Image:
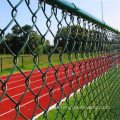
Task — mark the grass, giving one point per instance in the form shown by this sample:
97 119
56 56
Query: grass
94 102
28 62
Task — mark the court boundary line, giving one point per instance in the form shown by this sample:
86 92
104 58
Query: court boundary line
53 106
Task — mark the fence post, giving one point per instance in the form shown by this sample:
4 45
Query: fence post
38 59
22 61
1 64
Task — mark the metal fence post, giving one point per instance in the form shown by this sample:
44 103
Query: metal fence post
38 60
22 61
1 64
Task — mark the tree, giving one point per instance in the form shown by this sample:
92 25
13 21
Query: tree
47 46
14 42
73 37
70 37
1 48
18 37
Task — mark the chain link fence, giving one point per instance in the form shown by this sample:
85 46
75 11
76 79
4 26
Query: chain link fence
88 69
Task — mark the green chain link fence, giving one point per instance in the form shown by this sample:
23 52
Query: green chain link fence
95 80
4 64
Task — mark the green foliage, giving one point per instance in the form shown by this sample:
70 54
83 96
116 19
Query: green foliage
47 44
71 37
17 38
80 39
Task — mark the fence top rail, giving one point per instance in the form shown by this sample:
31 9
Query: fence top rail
63 4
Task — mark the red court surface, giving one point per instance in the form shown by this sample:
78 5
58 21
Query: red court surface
85 71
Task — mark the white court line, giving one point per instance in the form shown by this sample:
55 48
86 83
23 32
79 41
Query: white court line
25 85
33 100
31 76
32 82
42 96
62 67
37 69
24 78
35 81
34 88
47 94
54 106
26 71
35 72
25 74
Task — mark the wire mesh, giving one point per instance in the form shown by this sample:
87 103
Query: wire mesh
88 67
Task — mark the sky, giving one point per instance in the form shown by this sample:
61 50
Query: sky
111 14
111 10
